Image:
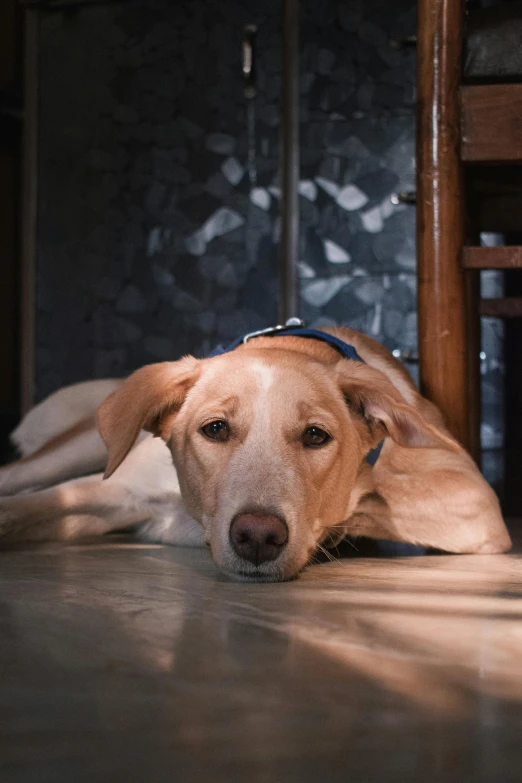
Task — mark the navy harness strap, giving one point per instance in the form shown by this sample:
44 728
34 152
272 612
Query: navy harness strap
346 350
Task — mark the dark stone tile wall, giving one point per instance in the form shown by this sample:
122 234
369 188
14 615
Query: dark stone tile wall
155 238
358 151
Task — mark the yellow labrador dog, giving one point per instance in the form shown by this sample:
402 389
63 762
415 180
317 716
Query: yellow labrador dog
270 445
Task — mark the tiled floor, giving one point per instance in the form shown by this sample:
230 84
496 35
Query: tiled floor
142 663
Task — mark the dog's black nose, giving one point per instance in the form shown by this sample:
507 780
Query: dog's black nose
258 537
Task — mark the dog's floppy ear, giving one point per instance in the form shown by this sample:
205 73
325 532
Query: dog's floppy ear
370 394
141 402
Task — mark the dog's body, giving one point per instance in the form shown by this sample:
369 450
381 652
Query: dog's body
269 443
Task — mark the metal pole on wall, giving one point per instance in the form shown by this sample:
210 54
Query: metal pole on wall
289 245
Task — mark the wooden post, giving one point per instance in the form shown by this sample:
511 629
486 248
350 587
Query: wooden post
29 213
447 338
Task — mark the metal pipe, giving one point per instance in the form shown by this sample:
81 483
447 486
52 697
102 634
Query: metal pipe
289 245
249 64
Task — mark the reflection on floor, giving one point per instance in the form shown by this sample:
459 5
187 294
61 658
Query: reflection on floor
142 663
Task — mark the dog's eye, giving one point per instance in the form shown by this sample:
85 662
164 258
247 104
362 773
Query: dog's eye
216 430
313 437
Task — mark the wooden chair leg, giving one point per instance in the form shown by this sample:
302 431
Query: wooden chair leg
444 336
474 410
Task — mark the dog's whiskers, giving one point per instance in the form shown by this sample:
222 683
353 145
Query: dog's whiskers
327 554
344 538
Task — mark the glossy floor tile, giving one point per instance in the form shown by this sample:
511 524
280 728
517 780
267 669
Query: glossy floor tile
142 663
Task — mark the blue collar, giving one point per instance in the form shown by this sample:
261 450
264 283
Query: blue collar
346 350
296 328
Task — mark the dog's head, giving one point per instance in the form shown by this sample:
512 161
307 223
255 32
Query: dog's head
268 445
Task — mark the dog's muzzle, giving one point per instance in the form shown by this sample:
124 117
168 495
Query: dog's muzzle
258 537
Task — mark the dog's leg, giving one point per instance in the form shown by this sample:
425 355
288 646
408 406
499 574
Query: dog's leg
59 412
85 506
432 498
144 494
75 452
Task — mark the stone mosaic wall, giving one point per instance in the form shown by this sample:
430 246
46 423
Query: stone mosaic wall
358 150
155 238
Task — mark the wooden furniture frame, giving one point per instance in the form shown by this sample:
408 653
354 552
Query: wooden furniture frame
457 125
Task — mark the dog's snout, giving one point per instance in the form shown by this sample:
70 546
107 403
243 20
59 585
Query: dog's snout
258 537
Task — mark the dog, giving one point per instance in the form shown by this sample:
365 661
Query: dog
261 453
